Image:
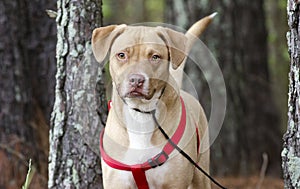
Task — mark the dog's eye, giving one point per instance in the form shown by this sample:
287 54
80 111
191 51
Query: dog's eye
121 56
155 58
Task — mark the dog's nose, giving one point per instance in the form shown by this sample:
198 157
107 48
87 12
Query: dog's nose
136 80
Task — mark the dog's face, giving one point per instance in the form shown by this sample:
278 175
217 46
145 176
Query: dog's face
139 60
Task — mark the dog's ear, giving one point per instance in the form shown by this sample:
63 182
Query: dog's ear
176 43
103 38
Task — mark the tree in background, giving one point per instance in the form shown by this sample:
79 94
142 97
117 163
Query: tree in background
238 38
142 11
27 68
278 54
74 134
291 147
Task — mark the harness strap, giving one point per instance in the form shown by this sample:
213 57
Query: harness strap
138 170
140 179
198 139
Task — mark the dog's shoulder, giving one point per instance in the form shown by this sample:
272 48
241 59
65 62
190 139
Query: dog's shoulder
190 101
194 108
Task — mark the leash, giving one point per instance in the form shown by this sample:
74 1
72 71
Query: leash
184 153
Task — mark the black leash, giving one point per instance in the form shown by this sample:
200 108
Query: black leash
183 153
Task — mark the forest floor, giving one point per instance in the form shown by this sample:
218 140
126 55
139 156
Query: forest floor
250 183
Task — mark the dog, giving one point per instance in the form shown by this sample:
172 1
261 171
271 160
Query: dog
146 67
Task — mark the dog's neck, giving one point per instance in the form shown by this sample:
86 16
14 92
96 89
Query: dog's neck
136 121
140 128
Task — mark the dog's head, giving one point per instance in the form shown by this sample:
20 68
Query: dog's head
139 60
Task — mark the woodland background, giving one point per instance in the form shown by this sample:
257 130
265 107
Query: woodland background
248 39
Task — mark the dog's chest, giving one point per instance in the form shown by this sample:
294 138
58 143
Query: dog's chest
140 128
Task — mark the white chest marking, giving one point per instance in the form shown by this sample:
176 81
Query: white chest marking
140 128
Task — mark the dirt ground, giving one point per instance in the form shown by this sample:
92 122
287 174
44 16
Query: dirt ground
249 183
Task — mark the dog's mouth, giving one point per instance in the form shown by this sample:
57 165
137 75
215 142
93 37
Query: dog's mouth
143 99
139 94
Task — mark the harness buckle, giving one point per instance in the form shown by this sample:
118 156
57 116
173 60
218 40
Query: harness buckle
159 159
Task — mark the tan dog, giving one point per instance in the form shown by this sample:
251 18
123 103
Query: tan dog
143 81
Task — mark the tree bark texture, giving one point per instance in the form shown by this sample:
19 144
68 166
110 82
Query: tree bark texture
291 146
238 39
74 158
27 62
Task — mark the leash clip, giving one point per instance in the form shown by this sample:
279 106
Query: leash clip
159 159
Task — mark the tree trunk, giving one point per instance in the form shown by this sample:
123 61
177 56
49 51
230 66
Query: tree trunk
291 147
238 39
278 55
27 55
142 11
74 158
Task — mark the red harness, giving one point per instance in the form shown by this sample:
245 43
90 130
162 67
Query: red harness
138 170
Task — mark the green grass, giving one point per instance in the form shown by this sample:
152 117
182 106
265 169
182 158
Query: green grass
29 176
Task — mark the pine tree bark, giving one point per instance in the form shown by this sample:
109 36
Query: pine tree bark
73 160
27 62
238 39
291 146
